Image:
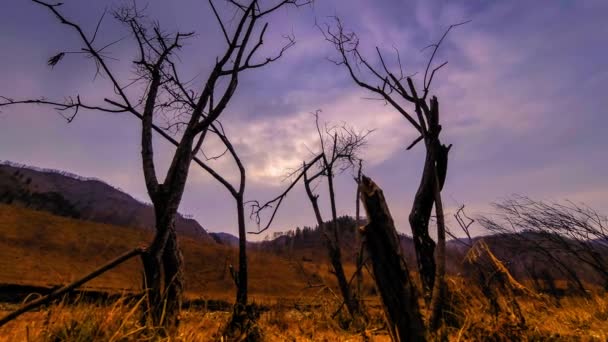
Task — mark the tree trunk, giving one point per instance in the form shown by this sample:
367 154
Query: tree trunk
419 221
242 324
173 280
335 254
241 294
439 288
333 247
398 294
163 257
435 167
153 288
335 257
359 256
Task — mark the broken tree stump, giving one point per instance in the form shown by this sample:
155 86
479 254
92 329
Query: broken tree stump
398 294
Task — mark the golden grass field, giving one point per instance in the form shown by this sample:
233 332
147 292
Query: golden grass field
38 248
576 319
41 249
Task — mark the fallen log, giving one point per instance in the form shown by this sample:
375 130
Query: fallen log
69 287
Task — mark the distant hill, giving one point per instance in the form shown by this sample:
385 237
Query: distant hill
90 199
520 253
308 243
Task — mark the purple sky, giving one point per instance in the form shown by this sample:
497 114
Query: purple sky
523 100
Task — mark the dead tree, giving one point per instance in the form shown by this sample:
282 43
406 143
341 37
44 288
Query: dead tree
396 89
397 291
497 283
240 319
337 152
157 89
359 257
565 233
342 147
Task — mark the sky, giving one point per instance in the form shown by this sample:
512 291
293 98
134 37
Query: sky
523 101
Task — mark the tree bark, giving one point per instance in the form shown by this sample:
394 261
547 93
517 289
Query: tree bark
398 294
335 256
153 288
439 288
242 325
359 260
419 218
163 257
163 262
172 261
241 294
433 179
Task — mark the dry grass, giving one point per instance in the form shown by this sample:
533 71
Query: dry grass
38 248
310 319
569 319
41 249
119 321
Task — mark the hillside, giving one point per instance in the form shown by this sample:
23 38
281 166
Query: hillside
524 255
69 195
38 248
58 225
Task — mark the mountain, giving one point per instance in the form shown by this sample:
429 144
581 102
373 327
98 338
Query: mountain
90 199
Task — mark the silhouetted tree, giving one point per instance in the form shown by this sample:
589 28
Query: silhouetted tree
241 320
338 151
162 91
396 89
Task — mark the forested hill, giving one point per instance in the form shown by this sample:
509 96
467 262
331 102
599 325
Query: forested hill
90 199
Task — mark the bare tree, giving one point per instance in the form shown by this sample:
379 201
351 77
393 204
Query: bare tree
360 252
242 320
338 151
397 89
560 232
160 90
496 283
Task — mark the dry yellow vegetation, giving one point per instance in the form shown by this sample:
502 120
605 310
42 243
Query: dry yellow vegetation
575 319
37 248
